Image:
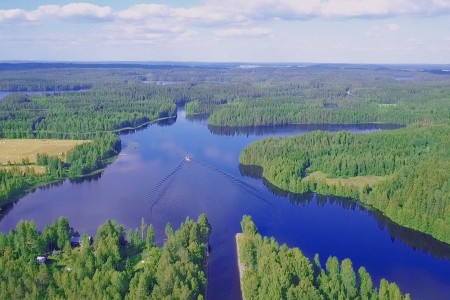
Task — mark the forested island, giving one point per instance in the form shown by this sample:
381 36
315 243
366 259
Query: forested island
271 271
59 264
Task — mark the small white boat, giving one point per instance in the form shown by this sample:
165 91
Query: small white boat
187 158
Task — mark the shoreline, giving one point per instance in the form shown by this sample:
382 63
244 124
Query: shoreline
241 267
39 184
35 185
358 201
117 131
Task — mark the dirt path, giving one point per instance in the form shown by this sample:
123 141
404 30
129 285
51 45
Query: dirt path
240 265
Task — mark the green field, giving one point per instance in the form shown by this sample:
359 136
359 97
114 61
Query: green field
357 181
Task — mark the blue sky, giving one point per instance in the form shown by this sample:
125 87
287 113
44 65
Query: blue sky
340 31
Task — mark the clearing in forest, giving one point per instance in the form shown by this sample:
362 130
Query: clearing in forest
14 151
358 181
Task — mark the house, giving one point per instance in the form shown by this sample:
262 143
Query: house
77 241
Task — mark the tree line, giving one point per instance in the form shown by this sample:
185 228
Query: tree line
79 115
271 271
117 265
328 95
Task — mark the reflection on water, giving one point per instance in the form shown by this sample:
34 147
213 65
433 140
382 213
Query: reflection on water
296 128
198 117
166 122
4 210
89 178
412 238
251 171
160 123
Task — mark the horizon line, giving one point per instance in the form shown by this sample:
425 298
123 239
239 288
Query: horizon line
242 63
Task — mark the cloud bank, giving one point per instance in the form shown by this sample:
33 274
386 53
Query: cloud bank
74 11
251 30
220 11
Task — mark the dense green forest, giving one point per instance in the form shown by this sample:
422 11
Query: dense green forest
117 265
83 159
412 183
78 115
271 271
127 97
337 96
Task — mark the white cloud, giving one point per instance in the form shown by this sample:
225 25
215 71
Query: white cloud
70 11
227 30
85 10
144 11
203 14
294 9
243 32
236 11
12 15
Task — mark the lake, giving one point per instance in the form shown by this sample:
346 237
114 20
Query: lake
152 180
3 94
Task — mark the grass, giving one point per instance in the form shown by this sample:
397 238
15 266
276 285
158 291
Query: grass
358 181
14 150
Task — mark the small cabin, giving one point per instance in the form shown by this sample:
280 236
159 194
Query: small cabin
77 241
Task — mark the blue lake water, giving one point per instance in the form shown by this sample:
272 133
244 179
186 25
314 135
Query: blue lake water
3 94
152 180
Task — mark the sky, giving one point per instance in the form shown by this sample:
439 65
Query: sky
308 31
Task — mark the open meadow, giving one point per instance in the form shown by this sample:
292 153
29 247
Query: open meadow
14 151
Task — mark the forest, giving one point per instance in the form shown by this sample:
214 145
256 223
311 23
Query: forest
271 271
78 101
118 264
84 159
333 95
403 173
